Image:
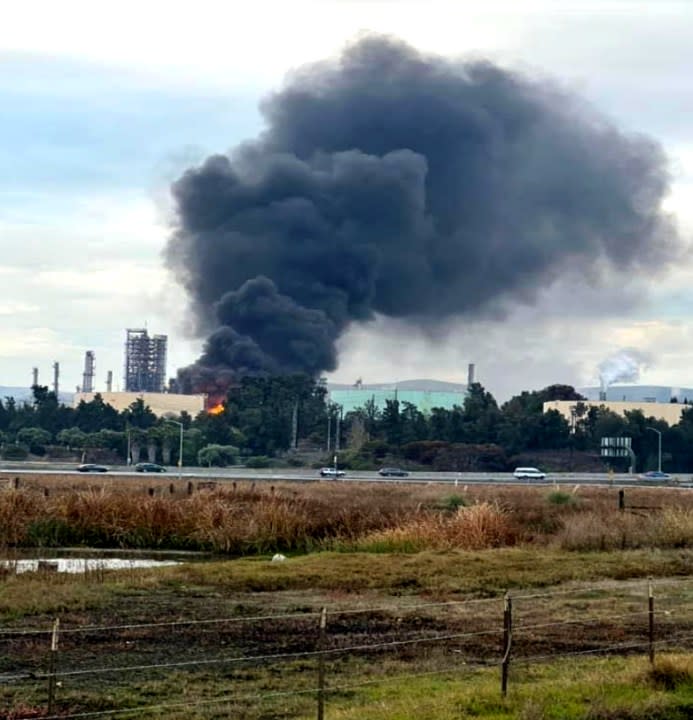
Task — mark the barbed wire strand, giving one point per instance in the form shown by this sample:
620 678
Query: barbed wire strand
585 621
286 616
332 651
254 618
339 688
593 651
469 665
607 589
271 656
236 698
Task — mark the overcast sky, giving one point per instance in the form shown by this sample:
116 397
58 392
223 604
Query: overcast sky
102 105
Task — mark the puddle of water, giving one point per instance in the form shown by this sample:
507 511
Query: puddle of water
81 565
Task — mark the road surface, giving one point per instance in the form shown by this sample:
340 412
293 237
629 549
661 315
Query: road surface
10 469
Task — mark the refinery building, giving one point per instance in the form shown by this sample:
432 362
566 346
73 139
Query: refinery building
144 378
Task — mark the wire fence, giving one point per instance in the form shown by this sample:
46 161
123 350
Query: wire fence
299 660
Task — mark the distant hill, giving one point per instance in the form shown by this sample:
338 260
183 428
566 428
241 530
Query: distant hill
24 394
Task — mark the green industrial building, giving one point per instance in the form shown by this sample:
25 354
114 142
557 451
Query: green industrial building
424 394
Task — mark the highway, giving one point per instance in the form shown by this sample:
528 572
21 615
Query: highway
9 469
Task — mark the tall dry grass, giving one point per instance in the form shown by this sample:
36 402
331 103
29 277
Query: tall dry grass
238 521
478 527
244 518
666 528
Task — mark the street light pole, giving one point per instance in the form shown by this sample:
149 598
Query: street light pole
659 447
180 447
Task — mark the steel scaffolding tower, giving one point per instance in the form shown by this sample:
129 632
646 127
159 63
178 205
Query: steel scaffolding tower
145 361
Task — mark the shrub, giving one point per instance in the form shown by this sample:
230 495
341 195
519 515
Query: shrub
669 673
466 457
217 455
14 452
423 451
558 497
258 461
452 502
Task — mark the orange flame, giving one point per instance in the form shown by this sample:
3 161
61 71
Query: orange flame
216 410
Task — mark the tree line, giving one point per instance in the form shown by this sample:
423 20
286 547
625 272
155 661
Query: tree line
291 418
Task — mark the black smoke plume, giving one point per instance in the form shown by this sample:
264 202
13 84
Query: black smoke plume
387 181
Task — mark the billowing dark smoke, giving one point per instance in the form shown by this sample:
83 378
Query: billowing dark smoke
396 183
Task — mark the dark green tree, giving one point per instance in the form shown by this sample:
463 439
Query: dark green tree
139 415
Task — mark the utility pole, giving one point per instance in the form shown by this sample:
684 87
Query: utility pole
180 447
294 426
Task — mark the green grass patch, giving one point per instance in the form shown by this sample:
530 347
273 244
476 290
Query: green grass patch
446 574
558 497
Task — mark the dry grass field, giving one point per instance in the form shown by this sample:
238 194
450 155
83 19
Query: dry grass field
413 578
244 518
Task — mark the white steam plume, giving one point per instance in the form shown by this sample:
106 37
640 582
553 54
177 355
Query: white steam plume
623 366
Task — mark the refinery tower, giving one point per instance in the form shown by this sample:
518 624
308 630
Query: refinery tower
145 361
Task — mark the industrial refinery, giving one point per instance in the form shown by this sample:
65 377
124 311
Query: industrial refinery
144 378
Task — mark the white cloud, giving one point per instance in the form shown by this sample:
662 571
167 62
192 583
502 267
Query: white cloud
38 342
11 307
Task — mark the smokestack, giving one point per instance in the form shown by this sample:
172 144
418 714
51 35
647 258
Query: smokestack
109 381
35 377
470 375
56 377
342 209
88 375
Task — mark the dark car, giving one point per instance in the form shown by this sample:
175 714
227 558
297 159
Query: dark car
91 467
393 472
149 467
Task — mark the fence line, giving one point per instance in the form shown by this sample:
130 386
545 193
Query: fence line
250 618
504 660
272 656
334 650
469 665
309 614
308 691
604 587
529 659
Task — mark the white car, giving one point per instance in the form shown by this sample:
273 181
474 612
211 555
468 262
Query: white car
331 472
528 473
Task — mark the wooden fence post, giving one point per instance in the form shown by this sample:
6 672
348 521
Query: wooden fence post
621 500
52 665
650 617
507 642
321 664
